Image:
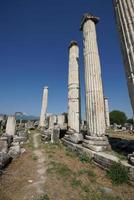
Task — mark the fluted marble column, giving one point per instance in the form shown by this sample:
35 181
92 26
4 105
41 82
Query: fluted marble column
11 125
93 81
73 89
107 118
44 107
124 10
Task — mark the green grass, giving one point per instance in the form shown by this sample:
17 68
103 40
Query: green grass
84 158
34 157
118 174
75 182
70 153
87 172
44 197
60 169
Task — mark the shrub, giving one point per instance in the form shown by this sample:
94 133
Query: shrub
118 173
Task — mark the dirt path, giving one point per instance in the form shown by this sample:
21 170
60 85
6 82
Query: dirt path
41 169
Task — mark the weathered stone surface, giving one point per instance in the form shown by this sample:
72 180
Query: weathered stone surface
73 89
44 107
93 81
124 10
3 146
55 135
131 158
29 125
11 125
106 108
19 139
14 151
103 138
95 148
5 159
46 135
52 121
75 138
96 143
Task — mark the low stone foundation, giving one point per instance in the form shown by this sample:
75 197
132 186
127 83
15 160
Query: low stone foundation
102 159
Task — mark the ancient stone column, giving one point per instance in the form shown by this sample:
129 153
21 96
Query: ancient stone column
107 118
74 134
52 121
11 125
44 107
124 10
60 120
73 89
93 84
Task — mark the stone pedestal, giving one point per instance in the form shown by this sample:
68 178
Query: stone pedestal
11 125
93 85
44 107
96 143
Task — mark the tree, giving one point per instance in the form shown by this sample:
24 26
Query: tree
118 117
130 121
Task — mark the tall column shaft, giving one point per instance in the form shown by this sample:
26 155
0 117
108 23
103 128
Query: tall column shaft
107 119
93 81
124 10
73 89
44 107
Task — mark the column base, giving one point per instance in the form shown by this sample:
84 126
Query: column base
74 138
97 144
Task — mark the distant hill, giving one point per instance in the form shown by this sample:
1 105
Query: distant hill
27 117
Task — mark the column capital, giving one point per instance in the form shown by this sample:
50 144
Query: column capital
73 43
86 17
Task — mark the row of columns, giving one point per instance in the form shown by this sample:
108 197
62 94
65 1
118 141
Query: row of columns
97 110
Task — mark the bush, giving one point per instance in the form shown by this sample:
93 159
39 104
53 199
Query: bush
118 174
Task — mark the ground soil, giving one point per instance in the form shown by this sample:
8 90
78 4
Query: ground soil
55 171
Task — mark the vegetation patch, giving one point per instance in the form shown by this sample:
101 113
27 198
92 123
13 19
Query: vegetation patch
87 172
34 157
118 174
84 158
59 168
44 197
75 182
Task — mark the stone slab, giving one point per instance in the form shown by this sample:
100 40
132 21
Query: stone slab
95 148
96 142
75 138
96 138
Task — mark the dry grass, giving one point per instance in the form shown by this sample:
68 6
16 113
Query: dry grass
79 180
68 178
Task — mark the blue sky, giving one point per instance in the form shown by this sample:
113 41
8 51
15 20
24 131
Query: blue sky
34 39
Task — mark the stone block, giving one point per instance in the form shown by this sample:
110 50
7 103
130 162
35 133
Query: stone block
3 146
103 138
94 148
14 151
75 138
96 142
